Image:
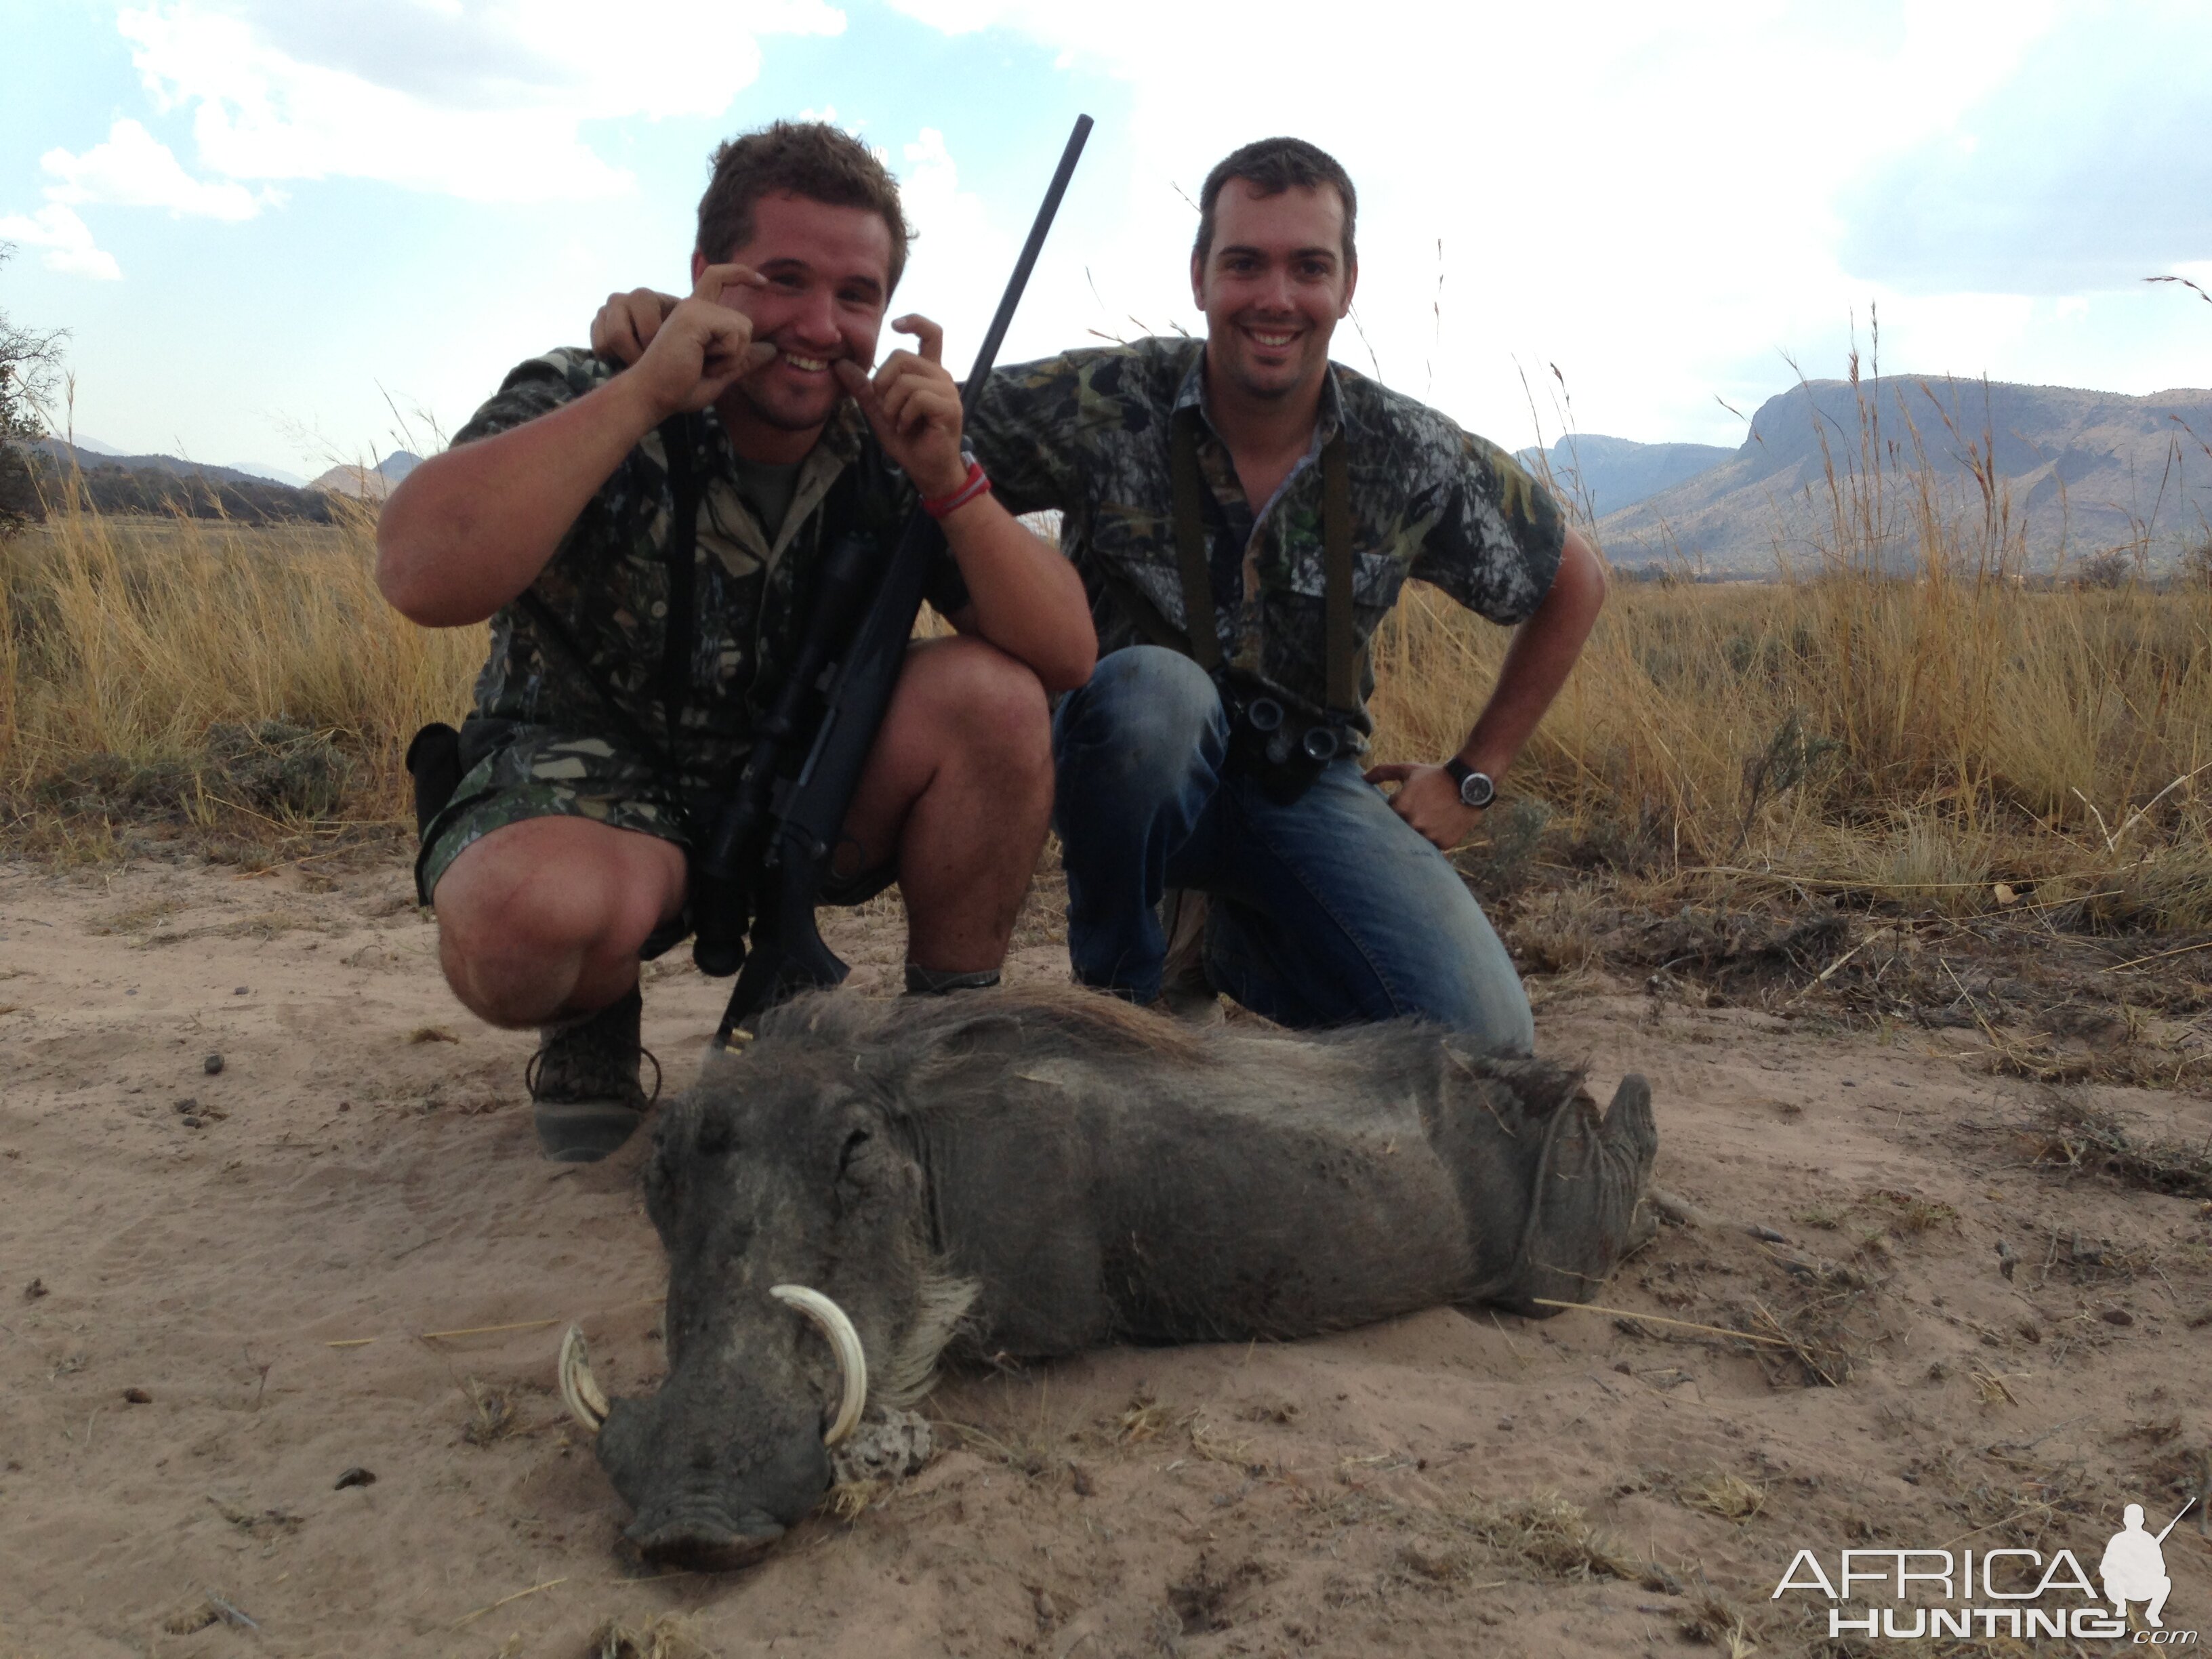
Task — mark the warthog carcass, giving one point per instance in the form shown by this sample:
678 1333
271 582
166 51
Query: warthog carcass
1033 1175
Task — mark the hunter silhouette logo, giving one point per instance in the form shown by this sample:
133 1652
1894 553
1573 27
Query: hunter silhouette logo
2008 1591
2134 1567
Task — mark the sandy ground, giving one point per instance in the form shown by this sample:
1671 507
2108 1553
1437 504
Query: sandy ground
220 1292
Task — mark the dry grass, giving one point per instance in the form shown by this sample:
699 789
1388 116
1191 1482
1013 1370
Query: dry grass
134 638
1920 741
1916 738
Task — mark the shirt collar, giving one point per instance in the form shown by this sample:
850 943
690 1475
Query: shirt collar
1192 394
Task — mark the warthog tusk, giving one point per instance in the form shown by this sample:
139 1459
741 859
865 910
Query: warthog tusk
578 1391
845 1341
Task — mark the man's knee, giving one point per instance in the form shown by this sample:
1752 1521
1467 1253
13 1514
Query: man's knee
1147 713
539 889
972 703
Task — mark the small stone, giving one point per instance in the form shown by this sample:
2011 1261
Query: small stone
195 1123
189 1103
2116 1317
345 1105
211 1064
356 1476
138 1396
240 992
35 1290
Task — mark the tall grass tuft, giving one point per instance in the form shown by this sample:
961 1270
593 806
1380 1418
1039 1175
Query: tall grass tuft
133 637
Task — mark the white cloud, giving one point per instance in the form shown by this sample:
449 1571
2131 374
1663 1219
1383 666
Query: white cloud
1636 193
479 99
66 239
134 169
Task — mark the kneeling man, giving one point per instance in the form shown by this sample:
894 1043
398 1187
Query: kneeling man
645 541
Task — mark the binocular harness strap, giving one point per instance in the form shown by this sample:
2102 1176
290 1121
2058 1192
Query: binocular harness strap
1202 639
1336 568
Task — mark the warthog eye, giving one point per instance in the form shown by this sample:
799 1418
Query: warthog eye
854 1144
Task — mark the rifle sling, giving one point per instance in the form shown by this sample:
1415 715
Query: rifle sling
682 636
680 640
1202 643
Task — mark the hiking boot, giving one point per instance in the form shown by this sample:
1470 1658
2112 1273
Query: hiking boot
583 1083
1185 991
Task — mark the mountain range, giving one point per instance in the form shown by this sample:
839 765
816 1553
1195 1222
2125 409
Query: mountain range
2079 472
1602 475
116 483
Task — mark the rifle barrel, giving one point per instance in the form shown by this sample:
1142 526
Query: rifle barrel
995 336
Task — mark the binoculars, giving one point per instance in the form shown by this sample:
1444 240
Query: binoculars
1282 752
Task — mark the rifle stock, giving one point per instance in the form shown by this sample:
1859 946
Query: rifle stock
807 817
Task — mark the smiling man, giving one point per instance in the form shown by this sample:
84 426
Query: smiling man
645 544
1247 482
1211 793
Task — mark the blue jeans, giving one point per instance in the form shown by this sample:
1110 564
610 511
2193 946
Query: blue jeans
1331 911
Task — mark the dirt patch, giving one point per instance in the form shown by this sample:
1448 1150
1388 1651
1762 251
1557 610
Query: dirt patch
1917 1303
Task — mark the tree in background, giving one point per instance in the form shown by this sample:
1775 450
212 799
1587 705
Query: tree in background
29 363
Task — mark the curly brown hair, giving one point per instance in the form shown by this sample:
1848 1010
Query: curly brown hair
1271 165
807 158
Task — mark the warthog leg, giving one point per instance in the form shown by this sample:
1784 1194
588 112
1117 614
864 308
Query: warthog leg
578 1391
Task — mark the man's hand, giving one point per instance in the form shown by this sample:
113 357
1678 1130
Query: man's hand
915 407
701 346
627 323
1428 799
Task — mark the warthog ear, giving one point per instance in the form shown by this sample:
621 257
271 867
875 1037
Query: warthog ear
945 1048
1628 1119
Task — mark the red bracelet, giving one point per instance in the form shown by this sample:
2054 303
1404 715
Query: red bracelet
973 485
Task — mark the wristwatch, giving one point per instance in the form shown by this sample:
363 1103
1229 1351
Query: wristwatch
1476 789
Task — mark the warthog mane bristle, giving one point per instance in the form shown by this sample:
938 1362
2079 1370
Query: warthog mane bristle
907 1376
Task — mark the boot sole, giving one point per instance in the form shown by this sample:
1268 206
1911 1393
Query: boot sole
584 1131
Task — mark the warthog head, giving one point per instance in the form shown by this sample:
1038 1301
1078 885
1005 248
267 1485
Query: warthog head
800 1289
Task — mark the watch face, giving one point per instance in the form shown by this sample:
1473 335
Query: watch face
1476 789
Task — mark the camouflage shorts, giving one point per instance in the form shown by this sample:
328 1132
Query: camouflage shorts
538 772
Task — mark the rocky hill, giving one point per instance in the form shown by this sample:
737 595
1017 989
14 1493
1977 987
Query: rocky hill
1604 475
368 484
2080 471
164 484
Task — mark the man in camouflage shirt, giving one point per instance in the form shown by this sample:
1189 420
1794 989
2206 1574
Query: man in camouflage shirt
628 675
1340 906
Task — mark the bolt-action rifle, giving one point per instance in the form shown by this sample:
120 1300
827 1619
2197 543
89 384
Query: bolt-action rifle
762 867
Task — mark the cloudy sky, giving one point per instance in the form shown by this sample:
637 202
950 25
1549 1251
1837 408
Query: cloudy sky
283 231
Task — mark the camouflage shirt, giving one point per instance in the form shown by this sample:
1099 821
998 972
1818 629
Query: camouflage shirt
1086 433
608 581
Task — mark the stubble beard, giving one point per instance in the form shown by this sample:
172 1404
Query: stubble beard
782 421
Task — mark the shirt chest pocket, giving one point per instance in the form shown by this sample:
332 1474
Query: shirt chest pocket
1376 579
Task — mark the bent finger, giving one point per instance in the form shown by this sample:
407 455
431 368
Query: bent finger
715 280
932 337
